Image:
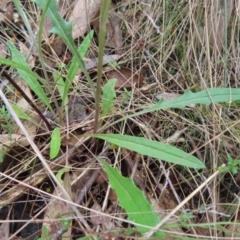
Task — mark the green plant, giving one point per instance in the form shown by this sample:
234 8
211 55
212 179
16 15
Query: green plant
6 124
139 210
55 143
232 166
45 234
108 96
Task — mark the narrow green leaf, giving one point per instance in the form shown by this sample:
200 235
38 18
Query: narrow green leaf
74 66
18 65
108 96
22 115
64 30
131 199
60 26
153 149
24 18
82 50
60 173
55 142
30 80
206 97
57 76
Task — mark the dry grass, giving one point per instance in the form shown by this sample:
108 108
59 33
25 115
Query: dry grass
176 45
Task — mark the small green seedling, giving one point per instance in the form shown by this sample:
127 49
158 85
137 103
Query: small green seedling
55 143
5 122
184 217
108 96
3 151
45 234
232 166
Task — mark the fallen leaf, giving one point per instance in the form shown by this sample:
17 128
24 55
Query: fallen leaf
17 97
15 140
171 96
113 37
25 50
55 209
3 50
6 11
59 209
163 207
125 78
92 63
115 22
176 137
234 230
54 46
99 219
47 26
82 15
26 107
4 229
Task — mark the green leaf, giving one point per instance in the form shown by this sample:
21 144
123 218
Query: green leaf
82 50
109 95
131 199
60 26
153 149
30 80
17 65
59 84
61 172
55 142
206 97
64 30
22 115
74 66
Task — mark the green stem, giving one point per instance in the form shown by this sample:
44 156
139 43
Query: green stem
103 19
41 59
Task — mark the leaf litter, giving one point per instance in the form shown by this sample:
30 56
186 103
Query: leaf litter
131 48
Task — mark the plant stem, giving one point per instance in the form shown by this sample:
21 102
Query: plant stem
103 19
40 32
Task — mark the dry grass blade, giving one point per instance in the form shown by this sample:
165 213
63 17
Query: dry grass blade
156 49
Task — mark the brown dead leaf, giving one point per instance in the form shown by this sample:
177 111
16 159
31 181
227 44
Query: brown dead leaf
3 50
59 209
206 231
54 46
115 22
99 219
113 31
234 230
16 139
6 11
171 96
26 107
125 78
55 209
166 204
4 229
82 15
92 63
25 50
